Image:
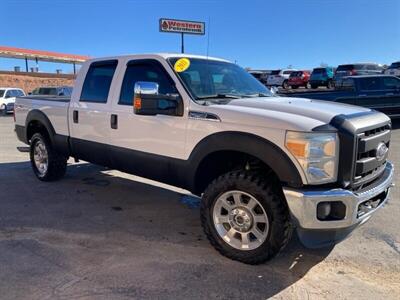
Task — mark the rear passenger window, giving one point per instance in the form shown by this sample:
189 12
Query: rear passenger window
391 83
145 70
370 84
98 81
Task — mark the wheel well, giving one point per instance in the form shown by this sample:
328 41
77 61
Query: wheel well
36 127
221 162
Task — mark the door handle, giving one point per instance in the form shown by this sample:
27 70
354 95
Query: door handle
75 116
114 121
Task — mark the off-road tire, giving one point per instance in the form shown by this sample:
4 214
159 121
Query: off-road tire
271 199
57 163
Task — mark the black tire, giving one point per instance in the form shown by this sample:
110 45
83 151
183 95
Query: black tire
3 109
57 163
285 85
271 199
330 84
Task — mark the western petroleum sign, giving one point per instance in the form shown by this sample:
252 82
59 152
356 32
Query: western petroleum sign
182 26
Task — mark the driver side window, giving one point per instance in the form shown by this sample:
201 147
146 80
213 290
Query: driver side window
144 70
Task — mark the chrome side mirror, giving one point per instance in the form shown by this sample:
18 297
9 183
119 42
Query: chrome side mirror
146 88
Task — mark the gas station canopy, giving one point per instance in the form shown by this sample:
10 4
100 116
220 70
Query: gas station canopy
38 55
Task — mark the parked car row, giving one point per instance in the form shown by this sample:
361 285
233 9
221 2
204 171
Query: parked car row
8 95
322 76
379 92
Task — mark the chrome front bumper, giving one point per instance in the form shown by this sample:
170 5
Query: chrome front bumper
303 204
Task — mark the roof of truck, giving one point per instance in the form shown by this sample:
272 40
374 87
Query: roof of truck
162 55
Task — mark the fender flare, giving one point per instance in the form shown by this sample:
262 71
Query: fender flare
38 116
266 151
59 142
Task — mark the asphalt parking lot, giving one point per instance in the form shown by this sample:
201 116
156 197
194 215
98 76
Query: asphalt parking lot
103 234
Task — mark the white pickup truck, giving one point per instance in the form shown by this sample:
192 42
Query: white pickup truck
263 165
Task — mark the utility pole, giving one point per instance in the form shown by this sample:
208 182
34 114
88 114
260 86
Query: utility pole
182 44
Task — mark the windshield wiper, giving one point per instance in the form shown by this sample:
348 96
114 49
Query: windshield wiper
258 95
220 96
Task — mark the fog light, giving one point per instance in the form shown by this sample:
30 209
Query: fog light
331 211
323 210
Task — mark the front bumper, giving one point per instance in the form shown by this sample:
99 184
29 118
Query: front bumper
314 232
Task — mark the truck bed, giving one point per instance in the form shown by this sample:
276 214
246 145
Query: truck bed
54 107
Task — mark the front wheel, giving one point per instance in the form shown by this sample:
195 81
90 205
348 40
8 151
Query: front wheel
47 164
3 110
285 84
245 218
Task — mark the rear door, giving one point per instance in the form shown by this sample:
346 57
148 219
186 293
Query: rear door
89 114
372 95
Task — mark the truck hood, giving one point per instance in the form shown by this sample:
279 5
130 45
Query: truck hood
299 112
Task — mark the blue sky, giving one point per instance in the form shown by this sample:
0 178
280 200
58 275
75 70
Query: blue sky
257 34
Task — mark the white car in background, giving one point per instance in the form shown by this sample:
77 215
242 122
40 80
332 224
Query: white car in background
7 99
279 78
394 69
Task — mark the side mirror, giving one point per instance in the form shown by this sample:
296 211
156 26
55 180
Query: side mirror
147 101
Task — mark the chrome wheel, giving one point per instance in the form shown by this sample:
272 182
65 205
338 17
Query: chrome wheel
41 158
240 220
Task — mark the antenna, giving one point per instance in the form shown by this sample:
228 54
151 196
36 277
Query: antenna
208 35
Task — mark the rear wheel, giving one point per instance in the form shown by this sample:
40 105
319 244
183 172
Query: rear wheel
330 84
308 85
245 218
47 164
285 84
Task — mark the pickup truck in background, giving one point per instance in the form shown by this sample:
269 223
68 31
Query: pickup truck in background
379 92
263 165
52 91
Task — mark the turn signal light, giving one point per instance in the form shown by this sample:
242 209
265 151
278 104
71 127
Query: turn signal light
137 103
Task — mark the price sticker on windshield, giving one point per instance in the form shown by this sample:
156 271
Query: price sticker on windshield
182 65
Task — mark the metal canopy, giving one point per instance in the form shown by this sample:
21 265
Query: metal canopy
38 55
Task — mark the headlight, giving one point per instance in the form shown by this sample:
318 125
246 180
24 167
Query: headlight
316 153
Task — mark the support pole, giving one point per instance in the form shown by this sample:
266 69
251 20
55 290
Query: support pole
26 64
74 68
37 64
182 44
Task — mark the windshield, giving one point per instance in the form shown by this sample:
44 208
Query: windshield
207 79
1 93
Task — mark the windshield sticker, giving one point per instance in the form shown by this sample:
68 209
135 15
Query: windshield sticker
182 65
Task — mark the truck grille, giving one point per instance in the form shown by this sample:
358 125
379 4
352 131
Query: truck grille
371 155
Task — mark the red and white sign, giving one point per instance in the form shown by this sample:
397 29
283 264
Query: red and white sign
181 26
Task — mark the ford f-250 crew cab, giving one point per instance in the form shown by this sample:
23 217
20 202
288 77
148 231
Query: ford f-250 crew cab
262 164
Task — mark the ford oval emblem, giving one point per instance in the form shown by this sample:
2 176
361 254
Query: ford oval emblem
381 151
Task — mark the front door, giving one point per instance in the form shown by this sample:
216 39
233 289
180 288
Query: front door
148 146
